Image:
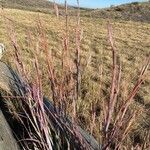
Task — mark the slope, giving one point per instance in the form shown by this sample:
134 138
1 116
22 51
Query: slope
132 42
137 11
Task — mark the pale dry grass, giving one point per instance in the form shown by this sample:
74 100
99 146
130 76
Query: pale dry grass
132 42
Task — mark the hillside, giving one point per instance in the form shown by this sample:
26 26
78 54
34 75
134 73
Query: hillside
137 11
33 5
26 3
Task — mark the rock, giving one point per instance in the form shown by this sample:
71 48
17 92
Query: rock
88 138
10 80
7 140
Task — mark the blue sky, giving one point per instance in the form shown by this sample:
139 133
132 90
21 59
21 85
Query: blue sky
97 3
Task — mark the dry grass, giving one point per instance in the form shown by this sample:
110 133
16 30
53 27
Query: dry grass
136 11
132 42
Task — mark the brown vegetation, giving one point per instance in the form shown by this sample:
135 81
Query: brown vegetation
93 80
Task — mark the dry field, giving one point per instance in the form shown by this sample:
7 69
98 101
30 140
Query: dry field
132 41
